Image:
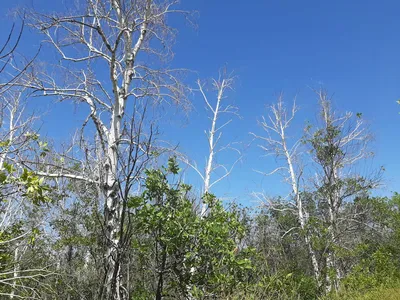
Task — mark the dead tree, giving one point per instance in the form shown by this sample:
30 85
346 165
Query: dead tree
16 130
277 142
112 64
216 109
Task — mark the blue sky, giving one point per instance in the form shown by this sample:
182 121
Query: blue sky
351 48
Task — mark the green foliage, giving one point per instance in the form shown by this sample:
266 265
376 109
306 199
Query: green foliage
220 264
4 144
381 293
378 263
378 270
5 236
35 189
325 145
33 186
190 253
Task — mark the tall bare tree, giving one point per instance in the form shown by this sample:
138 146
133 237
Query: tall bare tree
113 54
277 142
216 109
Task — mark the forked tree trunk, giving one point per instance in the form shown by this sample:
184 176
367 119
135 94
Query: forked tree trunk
278 124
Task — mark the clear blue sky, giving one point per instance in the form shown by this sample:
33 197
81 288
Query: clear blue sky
351 48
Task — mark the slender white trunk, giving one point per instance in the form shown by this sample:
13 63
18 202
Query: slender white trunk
332 262
3 157
300 211
211 143
330 257
329 266
334 274
86 260
11 128
278 123
16 271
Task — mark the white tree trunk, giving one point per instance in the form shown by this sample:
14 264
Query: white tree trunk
16 271
278 123
211 144
214 134
300 211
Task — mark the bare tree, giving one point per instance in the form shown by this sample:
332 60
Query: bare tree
216 110
112 54
16 132
277 142
7 50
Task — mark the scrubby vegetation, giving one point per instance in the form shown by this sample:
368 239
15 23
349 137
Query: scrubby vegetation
110 215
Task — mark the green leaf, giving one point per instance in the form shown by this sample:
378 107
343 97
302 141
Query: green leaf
135 201
5 143
173 166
